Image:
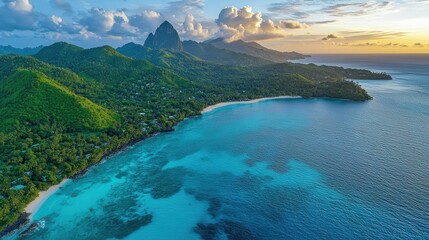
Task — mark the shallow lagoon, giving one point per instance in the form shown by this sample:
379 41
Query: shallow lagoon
289 168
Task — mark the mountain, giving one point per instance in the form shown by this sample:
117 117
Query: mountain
31 96
256 50
165 37
211 53
4 50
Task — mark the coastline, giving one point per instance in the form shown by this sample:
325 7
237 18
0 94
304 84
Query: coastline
32 207
223 104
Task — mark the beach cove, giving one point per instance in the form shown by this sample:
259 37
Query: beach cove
44 195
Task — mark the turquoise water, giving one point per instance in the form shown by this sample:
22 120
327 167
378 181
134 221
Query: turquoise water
279 169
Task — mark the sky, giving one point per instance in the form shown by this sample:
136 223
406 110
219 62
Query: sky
306 26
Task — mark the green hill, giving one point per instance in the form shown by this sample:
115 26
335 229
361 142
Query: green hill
30 96
107 66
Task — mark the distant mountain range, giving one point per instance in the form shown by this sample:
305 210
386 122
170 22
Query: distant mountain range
215 50
4 50
256 50
218 50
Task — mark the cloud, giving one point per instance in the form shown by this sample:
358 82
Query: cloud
19 5
56 20
146 21
371 35
372 44
62 5
418 45
290 8
292 24
108 23
182 8
320 22
194 30
356 9
331 36
242 23
369 44
247 25
19 15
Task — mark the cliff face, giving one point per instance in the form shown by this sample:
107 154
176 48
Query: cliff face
165 37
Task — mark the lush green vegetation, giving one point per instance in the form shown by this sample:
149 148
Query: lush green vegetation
67 107
31 97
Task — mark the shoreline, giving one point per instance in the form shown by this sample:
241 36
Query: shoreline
223 104
33 206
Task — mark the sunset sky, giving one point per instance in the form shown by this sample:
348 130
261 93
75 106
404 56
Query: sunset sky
311 26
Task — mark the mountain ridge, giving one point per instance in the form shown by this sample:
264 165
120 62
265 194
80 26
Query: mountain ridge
27 51
256 50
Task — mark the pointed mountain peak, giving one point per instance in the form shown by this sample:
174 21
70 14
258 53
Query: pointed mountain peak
165 37
166 24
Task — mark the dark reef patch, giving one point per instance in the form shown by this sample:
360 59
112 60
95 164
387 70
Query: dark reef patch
233 230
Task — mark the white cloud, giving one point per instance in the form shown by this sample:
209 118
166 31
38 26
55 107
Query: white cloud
19 5
194 30
151 14
147 21
57 20
100 20
245 24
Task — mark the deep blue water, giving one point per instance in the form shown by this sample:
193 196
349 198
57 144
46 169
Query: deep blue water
279 169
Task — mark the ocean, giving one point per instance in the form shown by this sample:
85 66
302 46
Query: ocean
277 169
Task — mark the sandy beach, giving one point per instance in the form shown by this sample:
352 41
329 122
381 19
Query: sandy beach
223 104
43 196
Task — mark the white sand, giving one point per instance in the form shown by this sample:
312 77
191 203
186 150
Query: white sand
43 196
223 104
